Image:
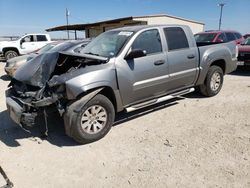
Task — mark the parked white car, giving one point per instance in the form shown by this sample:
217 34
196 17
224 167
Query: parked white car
24 45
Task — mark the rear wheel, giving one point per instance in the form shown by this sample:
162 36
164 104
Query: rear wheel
213 82
94 120
10 54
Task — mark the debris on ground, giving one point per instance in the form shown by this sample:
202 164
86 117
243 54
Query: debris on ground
166 143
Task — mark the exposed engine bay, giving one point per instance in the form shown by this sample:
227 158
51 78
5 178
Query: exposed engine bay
40 85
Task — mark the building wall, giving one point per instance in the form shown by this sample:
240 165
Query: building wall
195 27
94 31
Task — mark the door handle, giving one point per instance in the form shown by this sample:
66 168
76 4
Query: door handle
191 56
160 62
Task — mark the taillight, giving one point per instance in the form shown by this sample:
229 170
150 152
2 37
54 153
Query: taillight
236 51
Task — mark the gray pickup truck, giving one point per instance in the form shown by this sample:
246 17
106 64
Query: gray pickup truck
123 69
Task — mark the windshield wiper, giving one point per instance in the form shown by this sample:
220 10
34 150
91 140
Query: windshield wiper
90 53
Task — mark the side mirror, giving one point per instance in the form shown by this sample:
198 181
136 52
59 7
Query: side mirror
242 43
21 43
219 40
136 53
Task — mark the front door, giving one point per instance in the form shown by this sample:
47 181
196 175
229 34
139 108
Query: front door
28 44
145 77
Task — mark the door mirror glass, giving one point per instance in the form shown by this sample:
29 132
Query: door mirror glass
21 43
135 53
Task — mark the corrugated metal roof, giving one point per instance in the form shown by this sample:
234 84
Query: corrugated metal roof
167 15
84 26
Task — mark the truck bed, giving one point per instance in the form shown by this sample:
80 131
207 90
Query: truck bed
228 49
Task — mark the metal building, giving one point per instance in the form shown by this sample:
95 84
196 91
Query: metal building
94 29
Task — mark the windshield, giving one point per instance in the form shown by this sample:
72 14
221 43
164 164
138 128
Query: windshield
205 37
246 42
108 44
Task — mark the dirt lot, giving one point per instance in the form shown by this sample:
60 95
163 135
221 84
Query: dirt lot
194 142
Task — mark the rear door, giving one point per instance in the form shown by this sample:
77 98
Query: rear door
239 38
183 58
41 40
145 77
230 36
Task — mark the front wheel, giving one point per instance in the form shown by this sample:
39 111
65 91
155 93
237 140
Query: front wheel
10 54
94 120
213 82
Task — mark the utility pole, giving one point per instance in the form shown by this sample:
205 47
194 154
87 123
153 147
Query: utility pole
67 20
221 10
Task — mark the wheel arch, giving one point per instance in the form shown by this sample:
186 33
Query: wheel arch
107 91
203 74
220 63
75 105
10 48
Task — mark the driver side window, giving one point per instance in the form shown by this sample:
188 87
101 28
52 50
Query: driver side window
28 38
222 37
150 41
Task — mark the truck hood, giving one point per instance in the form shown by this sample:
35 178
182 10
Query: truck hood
7 43
244 48
38 71
17 61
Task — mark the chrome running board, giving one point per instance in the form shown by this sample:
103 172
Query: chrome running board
159 100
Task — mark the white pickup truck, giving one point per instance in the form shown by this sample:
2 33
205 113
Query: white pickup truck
23 45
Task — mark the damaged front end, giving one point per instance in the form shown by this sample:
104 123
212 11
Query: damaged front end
25 102
39 86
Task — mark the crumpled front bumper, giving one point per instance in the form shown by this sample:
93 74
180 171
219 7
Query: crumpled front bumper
17 110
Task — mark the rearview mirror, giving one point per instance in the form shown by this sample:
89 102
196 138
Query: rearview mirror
135 53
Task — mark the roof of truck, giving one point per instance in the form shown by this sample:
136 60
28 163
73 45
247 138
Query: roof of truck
36 34
140 27
218 31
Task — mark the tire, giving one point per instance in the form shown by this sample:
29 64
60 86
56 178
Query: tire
88 126
10 54
213 82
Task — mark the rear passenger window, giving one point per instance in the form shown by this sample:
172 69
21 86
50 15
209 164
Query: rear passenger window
28 38
238 35
230 36
150 41
41 38
176 38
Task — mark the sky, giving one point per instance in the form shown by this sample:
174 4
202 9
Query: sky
18 17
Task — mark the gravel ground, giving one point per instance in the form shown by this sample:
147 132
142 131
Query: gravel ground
194 142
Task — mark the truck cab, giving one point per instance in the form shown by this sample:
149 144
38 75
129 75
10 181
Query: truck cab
24 45
123 69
